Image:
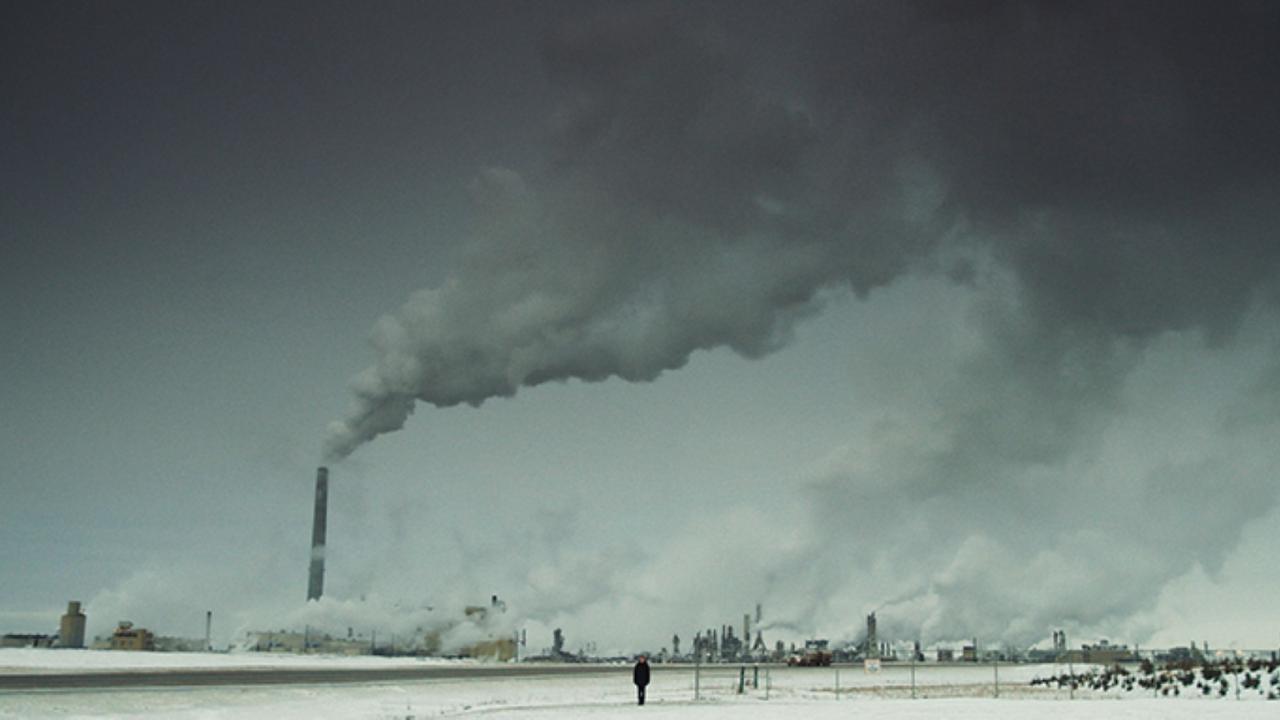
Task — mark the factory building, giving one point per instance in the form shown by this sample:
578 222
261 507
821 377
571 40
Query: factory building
494 647
25 640
128 637
500 649
167 643
70 633
311 641
1103 653
495 643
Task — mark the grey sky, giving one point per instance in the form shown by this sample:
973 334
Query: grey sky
962 312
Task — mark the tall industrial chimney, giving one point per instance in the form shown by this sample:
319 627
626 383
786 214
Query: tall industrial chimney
873 647
315 582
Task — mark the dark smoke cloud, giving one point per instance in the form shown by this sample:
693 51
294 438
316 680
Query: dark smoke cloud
1101 174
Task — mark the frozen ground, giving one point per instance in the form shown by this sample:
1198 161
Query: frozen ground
945 692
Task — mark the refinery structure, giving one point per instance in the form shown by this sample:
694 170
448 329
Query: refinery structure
489 633
725 644
424 641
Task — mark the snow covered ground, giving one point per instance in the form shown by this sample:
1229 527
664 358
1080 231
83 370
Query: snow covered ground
36 660
945 692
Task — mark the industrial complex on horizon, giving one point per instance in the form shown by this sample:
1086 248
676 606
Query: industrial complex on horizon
491 637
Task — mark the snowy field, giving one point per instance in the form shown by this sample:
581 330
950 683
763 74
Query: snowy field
943 692
33 660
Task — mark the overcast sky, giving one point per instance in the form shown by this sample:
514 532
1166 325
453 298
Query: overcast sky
639 314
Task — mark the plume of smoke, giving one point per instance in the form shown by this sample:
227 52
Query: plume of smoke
681 212
1107 175
1082 144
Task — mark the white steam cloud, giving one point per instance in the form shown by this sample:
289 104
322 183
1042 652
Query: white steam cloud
1097 176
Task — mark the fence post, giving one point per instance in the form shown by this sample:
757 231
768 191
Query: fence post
913 677
837 683
755 677
768 683
995 669
697 675
742 678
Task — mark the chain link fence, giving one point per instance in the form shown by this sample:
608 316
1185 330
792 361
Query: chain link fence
1242 676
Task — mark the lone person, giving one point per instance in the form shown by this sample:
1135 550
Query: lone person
641 676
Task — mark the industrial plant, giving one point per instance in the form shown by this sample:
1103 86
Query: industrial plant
724 644
70 632
485 631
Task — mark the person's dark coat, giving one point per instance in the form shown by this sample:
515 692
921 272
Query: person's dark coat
641 674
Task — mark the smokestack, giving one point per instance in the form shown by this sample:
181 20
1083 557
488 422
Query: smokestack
873 648
315 583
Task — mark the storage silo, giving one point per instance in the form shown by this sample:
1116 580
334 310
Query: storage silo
71 629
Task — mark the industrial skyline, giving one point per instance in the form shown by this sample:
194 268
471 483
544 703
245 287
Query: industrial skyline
965 315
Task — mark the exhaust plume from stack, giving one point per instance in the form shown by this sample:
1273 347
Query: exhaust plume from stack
1098 178
315 580
685 207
